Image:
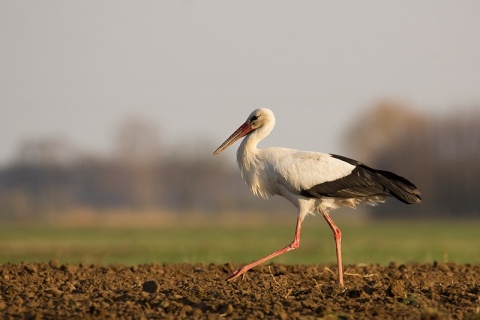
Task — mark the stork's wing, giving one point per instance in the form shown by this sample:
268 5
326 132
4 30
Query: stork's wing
364 181
325 175
302 170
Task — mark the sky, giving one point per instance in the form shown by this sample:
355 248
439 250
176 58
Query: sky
196 69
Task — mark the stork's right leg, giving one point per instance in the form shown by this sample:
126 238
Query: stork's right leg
337 234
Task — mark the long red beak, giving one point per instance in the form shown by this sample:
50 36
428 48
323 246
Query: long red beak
240 132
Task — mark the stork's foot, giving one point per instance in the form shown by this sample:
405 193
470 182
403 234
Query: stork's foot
237 273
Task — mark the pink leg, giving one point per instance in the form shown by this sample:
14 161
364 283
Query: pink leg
294 245
337 234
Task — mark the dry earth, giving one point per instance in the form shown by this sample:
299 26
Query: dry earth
413 291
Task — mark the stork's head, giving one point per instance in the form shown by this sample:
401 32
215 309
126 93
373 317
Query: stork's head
259 118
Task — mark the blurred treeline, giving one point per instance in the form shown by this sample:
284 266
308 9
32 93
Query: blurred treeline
49 177
441 155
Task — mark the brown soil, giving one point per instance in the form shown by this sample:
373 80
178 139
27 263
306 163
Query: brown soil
414 291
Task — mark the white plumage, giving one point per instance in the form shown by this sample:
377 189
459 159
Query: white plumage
311 181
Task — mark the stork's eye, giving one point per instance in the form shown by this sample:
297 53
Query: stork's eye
254 118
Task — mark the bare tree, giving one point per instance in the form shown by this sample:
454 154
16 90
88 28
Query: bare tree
384 125
138 151
440 155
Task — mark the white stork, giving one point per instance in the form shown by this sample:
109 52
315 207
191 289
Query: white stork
311 181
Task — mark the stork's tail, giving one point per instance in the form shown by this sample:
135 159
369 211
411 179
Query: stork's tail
399 187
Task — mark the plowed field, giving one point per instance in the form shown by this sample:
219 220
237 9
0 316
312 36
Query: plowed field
176 291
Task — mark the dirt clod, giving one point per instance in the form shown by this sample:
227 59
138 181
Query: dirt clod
397 290
413 291
150 286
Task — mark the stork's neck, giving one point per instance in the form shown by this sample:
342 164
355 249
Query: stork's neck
252 162
248 151
248 154
248 146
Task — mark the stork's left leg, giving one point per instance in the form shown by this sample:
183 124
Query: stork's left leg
337 234
294 245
